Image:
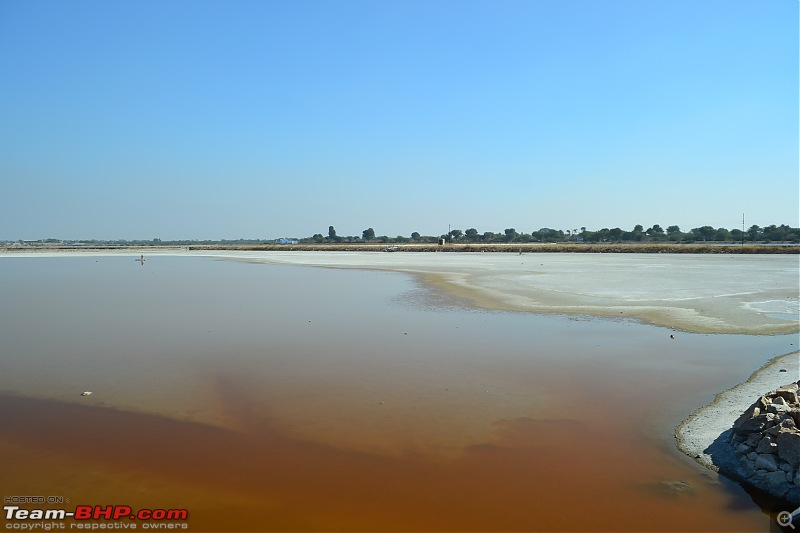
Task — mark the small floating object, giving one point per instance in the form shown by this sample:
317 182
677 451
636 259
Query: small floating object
672 336
86 393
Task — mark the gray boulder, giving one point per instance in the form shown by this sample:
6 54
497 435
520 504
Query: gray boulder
787 393
743 449
789 447
767 445
773 482
753 440
767 462
779 408
745 426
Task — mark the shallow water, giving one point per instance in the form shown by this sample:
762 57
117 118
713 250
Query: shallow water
271 397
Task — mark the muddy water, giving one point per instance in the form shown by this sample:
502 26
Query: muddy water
269 397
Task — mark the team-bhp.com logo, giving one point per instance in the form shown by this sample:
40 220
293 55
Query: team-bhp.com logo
89 517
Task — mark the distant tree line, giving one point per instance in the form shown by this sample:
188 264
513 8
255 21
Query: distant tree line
653 234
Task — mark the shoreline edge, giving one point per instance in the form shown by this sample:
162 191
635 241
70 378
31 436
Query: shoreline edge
701 431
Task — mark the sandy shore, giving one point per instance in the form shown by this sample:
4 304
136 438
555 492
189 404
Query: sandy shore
696 435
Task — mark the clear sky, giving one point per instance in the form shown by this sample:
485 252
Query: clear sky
235 119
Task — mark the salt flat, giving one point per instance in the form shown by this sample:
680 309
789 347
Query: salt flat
695 293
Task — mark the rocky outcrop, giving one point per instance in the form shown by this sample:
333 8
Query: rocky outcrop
766 444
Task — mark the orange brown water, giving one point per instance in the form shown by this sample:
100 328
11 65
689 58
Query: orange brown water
267 398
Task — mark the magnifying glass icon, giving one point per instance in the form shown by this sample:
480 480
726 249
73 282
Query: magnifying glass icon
784 519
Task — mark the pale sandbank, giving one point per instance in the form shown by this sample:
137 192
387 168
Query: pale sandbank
693 293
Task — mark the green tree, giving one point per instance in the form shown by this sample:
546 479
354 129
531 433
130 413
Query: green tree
706 233
674 233
775 233
656 232
511 234
722 234
368 234
331 233
317 237
601 235
471 234
415 236
548 235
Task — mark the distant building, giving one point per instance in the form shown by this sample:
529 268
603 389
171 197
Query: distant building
284 240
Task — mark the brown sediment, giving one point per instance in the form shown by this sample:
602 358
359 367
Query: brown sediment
537 475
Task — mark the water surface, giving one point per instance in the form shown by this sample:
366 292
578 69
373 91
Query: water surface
272 397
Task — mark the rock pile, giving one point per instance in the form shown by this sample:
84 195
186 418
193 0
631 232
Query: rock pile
766 439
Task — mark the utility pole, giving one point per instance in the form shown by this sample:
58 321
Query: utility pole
449 235
742 229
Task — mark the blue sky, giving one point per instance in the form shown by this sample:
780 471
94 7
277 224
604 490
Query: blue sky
210 119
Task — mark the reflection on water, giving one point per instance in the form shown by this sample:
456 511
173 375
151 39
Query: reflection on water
266 397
